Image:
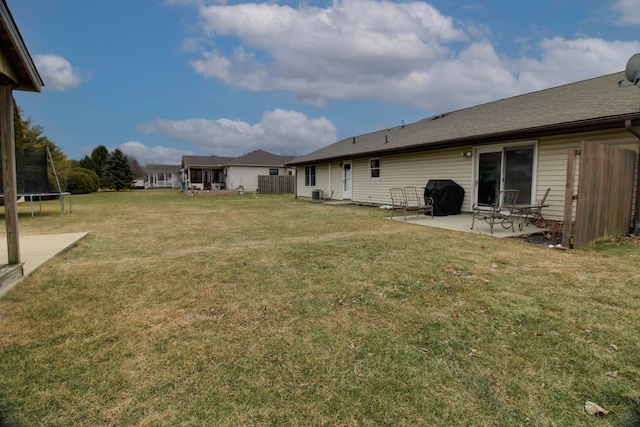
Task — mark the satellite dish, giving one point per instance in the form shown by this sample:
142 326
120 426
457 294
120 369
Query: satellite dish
632 72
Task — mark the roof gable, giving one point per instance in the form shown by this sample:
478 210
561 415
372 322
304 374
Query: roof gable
25 75
558 110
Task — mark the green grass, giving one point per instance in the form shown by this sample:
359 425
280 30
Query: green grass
264 310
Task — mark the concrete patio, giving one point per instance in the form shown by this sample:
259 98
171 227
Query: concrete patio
462 222
36 250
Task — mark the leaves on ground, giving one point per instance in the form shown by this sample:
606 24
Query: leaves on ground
594 409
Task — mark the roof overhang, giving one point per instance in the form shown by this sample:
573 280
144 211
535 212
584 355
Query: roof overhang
591 125
25 74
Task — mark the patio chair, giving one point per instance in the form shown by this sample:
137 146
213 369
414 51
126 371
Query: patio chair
398 201
502 212
416 200
536 212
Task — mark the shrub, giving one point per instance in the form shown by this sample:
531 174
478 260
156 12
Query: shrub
82 181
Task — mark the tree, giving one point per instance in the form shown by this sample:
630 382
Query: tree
100 157
87 163
117 172
82 181
136 168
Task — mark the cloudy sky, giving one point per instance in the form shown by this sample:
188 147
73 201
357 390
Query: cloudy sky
163 78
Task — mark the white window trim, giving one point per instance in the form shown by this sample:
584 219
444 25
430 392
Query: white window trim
315 175
375 178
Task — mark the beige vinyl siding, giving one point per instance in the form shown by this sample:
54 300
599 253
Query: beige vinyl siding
322 180
417 169
411 170
336 181
552 164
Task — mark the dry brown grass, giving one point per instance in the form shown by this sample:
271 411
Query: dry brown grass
264 310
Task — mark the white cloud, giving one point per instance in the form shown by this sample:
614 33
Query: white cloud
57 72
629 12
279 132
153 155
405 53
565 61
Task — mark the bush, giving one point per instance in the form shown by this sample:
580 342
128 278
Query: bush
82 181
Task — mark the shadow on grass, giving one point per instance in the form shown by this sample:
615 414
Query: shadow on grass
4 412
632 419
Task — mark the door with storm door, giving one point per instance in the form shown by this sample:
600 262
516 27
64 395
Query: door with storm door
504 168
346 179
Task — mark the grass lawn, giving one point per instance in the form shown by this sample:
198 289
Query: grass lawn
264 310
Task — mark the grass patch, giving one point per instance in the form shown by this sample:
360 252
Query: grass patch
264 310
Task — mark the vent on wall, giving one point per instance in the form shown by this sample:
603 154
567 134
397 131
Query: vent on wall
317 195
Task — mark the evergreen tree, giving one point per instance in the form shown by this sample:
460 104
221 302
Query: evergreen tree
117 172
99 157
87 163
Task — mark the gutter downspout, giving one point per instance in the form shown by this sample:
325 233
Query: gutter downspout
330 186
636 211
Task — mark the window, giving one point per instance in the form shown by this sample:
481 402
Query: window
309 176
273 171
196 176
374 168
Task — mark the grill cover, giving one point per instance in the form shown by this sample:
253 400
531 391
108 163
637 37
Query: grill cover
447 196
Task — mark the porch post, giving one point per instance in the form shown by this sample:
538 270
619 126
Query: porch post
7 139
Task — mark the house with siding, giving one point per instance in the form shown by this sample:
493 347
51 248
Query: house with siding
520 142
214 172
162 176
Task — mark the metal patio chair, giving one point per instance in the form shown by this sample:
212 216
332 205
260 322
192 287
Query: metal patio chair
417 202
502 212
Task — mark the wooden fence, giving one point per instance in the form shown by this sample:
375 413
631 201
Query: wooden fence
276 184
605 193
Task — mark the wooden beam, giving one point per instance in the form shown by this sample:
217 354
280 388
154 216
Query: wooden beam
7 139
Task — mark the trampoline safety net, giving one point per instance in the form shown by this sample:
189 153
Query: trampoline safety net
31 172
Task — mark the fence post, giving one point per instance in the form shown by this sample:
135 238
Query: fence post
568 197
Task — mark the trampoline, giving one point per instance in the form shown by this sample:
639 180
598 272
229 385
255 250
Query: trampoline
32 178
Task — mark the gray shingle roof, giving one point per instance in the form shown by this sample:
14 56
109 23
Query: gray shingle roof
254 158
205 160
570 108
261 158
155 168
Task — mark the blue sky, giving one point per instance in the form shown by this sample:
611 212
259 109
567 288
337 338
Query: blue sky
163 78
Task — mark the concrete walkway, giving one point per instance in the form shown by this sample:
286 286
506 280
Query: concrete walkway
36 250
462 222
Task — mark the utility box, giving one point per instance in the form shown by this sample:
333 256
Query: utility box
317 195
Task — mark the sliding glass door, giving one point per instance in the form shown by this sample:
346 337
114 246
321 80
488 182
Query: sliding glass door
504 168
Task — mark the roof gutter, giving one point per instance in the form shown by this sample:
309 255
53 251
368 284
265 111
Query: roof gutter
636 211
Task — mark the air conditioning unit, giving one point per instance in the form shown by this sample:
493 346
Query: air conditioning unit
317 195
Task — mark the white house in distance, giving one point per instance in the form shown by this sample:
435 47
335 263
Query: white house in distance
163 176
520 142
233 173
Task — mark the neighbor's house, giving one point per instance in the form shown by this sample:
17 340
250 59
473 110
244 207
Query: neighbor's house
163 176
520 142
214 172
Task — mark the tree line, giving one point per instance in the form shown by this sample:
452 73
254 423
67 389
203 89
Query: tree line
102 170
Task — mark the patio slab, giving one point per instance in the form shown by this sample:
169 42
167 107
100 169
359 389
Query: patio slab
462 222
36 250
